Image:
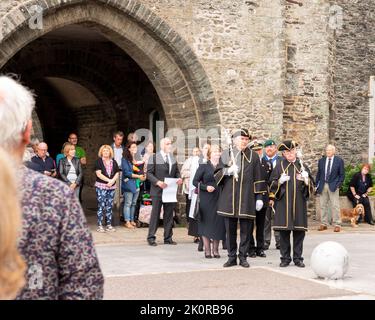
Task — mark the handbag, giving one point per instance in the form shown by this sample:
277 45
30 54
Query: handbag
144 215
197 214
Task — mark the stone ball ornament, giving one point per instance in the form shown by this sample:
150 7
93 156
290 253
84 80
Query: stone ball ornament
330 260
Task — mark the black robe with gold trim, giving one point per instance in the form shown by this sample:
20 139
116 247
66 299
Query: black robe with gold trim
290 198
237 198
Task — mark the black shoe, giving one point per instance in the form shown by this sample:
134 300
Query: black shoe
200 246
244 263
299 264
252 254
170 242
265 248
230 263
208 256
278 247
261 254
217 256
371 223
196 240
284 264
152 243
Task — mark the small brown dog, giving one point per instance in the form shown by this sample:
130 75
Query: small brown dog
352 214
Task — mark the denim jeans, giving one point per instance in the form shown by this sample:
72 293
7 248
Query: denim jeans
130 202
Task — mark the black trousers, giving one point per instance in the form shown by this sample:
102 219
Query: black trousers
231 231
285 248
167 219
259 233
80 190
188 204
268 230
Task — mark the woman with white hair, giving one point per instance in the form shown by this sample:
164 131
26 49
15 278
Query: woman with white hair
12 266
55 242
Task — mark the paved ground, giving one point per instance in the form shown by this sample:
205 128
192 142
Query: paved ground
134 270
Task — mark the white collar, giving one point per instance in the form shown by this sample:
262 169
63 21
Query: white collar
268 158
164 154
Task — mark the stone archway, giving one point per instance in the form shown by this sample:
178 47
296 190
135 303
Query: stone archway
167 60
184 97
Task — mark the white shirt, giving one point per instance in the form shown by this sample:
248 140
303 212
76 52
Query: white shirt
118 154
272 161
327 159
72 175
164 155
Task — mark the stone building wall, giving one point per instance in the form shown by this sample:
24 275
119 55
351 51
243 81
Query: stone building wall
353 66
306 98
278 68
240 45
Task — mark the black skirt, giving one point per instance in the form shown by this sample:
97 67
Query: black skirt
211 224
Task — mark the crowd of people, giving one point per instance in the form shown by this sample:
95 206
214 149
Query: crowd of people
49 252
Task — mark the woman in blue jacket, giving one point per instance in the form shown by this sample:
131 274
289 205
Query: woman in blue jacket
129 187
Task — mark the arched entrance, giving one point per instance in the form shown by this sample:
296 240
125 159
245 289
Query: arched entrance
166 59
99 66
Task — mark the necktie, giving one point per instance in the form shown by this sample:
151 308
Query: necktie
272 161
328 169
167 163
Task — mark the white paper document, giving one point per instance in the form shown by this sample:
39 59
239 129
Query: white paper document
170 192
194 198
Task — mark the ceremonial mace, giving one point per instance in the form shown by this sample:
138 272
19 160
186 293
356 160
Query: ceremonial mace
231 153
300 156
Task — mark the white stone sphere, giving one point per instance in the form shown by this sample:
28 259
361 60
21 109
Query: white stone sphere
330 260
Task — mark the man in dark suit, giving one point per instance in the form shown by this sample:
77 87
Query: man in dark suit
160 166
269 163
330 176
257 250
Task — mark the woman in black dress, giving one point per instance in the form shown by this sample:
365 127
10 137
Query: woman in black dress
211 225
359 187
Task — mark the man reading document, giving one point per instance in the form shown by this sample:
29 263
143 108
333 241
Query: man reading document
160 167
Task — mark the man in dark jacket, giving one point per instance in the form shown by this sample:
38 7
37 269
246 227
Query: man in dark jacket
239 177
291 185
160 166
257 250
270 160
330 177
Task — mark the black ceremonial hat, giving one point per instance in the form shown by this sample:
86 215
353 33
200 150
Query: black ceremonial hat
241 132
256 145
287 145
